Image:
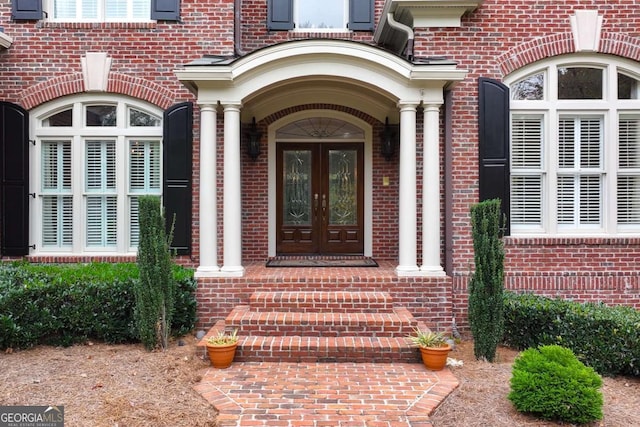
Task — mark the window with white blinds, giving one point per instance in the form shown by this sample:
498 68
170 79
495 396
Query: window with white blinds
101 195
580 173
628 184
575 147
100 10
87 184
144 178
527 170
57 199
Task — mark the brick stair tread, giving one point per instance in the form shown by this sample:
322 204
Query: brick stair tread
324 349
322 301
398 322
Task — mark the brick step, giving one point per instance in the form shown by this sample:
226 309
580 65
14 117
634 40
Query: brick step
398 323
325 349
313 302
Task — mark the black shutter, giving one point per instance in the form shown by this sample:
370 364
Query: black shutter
361 15
14 171
26 10
493 139
177 163
280 15
165 10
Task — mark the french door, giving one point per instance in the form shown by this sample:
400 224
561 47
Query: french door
320 198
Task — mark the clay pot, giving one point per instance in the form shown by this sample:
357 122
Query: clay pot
435 358
221 356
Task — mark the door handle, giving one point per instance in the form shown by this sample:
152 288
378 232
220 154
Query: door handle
315 204
324 204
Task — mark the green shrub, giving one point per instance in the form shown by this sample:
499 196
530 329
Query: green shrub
155 291
62 304
486 286
603 337
551 383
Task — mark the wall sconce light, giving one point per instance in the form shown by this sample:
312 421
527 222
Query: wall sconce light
253 143
388 143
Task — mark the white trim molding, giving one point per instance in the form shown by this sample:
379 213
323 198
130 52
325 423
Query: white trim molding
5 40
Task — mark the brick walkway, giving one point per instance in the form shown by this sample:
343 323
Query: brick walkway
326 394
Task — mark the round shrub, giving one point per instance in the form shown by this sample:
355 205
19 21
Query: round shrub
549 382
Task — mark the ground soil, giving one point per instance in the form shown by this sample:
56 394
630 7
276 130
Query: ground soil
125 385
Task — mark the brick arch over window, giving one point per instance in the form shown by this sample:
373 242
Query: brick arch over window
285 112
534 50
70 84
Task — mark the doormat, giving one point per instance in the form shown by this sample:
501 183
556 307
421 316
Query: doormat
302 261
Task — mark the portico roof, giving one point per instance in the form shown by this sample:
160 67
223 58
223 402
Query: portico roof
315 68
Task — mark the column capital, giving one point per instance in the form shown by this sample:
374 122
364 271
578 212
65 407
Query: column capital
432 107
231 105
408 105
207 106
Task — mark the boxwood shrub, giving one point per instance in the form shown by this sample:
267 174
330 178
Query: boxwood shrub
63 304
606 338
549 382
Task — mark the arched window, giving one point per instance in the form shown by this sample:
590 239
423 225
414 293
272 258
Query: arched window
575 147
93 158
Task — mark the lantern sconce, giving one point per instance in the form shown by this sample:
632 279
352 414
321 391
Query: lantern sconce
388 143
253 143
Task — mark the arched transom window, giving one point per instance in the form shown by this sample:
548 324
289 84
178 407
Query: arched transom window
93 158
575 147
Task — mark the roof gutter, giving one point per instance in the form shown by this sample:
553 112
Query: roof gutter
237 30
408 53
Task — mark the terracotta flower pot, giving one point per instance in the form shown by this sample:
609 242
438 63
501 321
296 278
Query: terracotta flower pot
221 356
435 358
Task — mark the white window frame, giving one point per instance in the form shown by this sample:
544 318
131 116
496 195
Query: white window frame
298 5
49 7
609 109
78 135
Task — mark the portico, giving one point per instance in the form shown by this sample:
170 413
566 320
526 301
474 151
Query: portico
359 77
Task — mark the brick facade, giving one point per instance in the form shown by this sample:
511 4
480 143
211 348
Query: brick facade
499 37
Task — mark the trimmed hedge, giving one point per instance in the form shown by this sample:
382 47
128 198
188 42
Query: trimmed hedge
63 304
606 338
551 383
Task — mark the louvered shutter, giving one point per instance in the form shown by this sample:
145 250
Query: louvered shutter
177 164
526 171
57 200
279 15
144 178
493 140
14 175
165 10
26 10
101 199
361 15
629 171
579 171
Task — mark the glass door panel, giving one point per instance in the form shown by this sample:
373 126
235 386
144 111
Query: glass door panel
343 187
297 182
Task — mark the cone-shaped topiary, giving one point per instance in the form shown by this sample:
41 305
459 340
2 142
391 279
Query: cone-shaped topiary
551 383
486 287
156 289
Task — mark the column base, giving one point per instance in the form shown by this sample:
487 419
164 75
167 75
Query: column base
232 270
432 270
407 270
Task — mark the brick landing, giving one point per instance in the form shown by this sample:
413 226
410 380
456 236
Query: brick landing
326 394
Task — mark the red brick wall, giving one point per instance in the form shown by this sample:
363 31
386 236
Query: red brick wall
500 36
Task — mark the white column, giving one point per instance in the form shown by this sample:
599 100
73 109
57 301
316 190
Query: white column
407 210
431 193
208 206
232 221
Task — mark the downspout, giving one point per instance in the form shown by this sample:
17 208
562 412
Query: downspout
405 29
237 30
